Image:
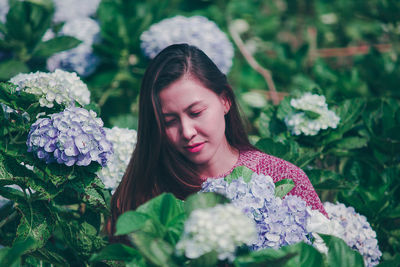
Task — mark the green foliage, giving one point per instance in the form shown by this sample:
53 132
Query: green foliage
21 38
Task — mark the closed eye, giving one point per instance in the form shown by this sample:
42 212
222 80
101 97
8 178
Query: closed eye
169 123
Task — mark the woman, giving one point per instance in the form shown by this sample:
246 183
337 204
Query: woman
189 130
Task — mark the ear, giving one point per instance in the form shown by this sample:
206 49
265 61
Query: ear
226 102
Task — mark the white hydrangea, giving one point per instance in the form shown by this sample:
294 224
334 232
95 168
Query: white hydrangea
222 229
355 231
124 142
60 86
67 10
300 123
318 223
80 59
197 31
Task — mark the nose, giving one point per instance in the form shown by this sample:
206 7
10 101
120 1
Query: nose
188 129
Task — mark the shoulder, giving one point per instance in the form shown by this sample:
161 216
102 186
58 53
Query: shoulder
263 163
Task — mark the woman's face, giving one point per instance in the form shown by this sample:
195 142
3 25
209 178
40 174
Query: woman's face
194 120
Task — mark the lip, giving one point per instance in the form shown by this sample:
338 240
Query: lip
195 147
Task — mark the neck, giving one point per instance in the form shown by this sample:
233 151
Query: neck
223 161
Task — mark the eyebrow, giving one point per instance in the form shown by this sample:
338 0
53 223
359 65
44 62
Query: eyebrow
186 109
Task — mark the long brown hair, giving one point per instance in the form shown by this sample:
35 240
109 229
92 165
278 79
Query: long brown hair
155 166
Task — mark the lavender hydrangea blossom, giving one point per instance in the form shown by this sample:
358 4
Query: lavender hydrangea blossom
279 222
356 232
197 31
72 137
80 59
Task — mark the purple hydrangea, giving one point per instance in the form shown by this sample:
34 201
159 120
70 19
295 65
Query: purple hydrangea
197 31
356 232
72 137
279 222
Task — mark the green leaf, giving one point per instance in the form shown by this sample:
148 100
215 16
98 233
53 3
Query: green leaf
11 256
264 257
203 201
307 255
12 67
155 250
36 222
351 142
55 45
82 237
311 114
207 260
328 180
267 145
241 171
284 108
283 187
131 221
118 252
340 254
163 208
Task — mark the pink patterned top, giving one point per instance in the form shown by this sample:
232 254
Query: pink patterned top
279 169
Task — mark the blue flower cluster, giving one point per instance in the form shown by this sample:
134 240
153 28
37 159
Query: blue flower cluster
279 222
356 232
197 31
80 59
74 136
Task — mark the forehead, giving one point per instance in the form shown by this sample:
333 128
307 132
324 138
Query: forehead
184 92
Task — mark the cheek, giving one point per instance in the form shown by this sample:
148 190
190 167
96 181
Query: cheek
172 135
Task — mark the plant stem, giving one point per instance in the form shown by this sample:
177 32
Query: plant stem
9 218
254 64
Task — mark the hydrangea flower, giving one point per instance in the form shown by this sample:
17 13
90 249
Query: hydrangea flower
279 222
80 59
197 31
124 141
4 7
302 122
60 86
222 229
74 136
356 232
76 9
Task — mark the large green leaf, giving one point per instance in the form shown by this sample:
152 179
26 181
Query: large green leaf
340 254
241 171
155 250
55 45
12 67
11 257
307 255
131 221
82 237
264 257
36 222
118 252
27 21
271 147
203 201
